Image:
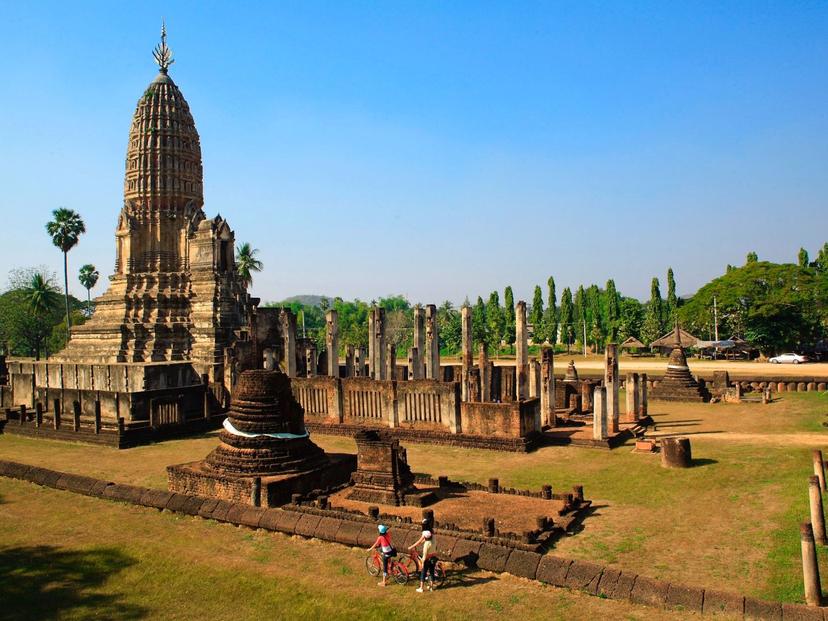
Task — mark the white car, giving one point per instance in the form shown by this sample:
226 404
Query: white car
788 359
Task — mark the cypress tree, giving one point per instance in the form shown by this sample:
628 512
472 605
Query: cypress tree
536 316
803 258
509 317
613 310
672 300
480 331
495 320
580 314
653 326
567 318
550 319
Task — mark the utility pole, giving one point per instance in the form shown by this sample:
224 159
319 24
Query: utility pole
584 338
715 319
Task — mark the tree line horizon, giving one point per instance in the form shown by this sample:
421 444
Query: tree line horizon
773 306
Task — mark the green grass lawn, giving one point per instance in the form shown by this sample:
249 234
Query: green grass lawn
729 523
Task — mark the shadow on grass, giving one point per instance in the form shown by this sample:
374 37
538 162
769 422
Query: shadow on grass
44 582
462 578
704 461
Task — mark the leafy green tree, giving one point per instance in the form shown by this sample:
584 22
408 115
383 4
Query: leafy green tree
653 327
480 328
580 314
751 257
536 316
822 259
612 305
41 295
88 277
496 320
775 307
509 335
449 320
247 263
631 320
803 258
550 318
567 318
672 299
595 319
65 230
43 299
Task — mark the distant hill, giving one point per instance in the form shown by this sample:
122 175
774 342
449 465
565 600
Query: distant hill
307 300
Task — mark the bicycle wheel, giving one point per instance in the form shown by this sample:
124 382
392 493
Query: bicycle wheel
439 575
411 564
373 565
399 572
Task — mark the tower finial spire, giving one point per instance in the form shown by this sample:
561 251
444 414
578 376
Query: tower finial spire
163 54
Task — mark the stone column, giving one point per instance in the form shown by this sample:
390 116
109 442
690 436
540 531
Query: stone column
642 397
600 423
420 341
612 383
360 362
547 387
632 398
310 361
810 567
349 361
534 378
521 352
817 512
466 350
485 373
819 468
288 325
414 364
432 344
332 342
391 362
376 344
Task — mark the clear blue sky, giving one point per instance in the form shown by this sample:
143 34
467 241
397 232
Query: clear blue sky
436 149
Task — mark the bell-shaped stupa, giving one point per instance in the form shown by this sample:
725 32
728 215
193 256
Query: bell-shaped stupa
678 384
264 432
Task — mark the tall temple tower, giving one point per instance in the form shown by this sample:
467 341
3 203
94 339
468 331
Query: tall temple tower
175 294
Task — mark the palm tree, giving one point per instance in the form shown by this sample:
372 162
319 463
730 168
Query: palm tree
247 263
43 298
65 230
88 277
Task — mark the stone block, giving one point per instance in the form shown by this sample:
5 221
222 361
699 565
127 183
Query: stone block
685 597
466 551
15 470
50 478
445 546
306 525
608 581
193 505
99 488
348 533
251 516
553 570
584 576
287 520
367 536
270 519
493 557
177 502
220 511
75 483
207 507
799 612
157 498
624 586
235 513
649 591
524 564
37 475
327 528
758 610
124 493
720 602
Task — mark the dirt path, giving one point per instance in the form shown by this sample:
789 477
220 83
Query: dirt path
766 439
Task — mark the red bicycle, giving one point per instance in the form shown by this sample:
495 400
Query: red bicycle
398 571
414 565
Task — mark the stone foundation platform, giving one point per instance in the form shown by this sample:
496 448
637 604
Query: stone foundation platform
197 479
422 436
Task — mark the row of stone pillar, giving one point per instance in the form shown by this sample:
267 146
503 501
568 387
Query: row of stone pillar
605 408
813 532
381 360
